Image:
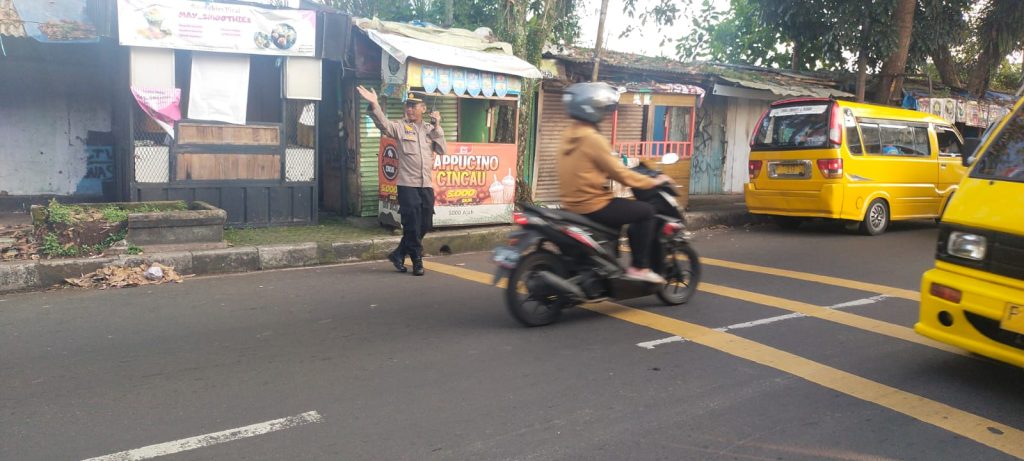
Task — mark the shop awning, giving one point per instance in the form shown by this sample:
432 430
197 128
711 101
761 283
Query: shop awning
403 48
50 21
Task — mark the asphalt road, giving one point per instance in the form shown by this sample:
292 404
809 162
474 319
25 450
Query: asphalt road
357 362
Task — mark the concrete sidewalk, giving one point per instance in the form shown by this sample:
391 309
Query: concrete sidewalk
702 212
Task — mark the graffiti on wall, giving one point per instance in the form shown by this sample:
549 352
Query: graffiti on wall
99 170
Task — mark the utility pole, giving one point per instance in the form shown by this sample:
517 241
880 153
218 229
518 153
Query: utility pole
600 39
449 13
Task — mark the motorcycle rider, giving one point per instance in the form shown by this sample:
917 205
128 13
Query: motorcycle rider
585 163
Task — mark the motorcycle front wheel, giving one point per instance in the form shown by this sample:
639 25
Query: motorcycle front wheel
681 269
531 307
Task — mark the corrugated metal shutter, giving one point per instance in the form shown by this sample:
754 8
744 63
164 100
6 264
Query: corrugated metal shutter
554 121
631 123
449 109
369 144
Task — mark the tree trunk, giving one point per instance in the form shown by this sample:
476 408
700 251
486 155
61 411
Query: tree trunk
862 73
944 63
795 57
449 13
862 53
985 65
895 67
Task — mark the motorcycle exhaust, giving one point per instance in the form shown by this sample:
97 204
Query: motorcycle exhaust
558 286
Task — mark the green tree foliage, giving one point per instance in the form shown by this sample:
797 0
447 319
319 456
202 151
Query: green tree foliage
966 45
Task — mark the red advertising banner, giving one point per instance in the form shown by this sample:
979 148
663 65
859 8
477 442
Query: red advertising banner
473 183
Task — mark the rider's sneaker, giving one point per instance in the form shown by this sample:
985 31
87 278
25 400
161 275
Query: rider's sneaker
644 275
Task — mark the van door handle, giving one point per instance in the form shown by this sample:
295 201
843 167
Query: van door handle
942 165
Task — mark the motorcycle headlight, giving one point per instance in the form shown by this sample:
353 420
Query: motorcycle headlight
966 245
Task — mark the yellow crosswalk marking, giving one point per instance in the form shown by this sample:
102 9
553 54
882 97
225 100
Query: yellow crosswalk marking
823 279
831 315
982 430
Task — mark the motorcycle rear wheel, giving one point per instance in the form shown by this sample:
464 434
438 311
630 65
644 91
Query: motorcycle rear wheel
518 299
681 270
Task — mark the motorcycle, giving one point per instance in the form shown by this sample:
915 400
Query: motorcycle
558 260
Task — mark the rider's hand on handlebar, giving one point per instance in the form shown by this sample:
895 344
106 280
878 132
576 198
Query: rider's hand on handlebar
664 179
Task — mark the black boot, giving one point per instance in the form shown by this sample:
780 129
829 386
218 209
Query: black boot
398 261
417 267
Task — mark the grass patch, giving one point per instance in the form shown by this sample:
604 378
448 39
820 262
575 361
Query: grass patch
330 230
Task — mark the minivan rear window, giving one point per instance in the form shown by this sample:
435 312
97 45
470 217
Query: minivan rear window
1004 158
804 125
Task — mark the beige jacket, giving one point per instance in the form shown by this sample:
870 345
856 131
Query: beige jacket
585 165
417 144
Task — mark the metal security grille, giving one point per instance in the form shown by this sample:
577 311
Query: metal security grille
151 149
300 146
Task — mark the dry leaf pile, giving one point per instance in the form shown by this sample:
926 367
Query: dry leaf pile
122 277
16 242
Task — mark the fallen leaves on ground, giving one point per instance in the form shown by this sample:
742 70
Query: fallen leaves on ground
122 277
16 243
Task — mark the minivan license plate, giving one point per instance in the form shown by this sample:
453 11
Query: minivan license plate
789 170
1013 319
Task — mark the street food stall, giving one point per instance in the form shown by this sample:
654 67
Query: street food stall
225 106
478 94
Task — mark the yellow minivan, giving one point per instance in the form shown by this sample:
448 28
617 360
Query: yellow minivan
864 164
974 297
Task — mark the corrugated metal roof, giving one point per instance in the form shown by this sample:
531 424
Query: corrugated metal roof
778 81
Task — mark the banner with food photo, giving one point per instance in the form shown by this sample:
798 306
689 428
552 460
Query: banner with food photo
50 21
206 26
475 184
387 179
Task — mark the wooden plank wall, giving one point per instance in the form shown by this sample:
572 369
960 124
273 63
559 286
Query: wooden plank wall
198 166
228 135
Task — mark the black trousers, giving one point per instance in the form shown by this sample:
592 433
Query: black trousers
416 206
640 217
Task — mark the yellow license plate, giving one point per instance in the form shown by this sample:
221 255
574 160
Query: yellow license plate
1013 319
789 169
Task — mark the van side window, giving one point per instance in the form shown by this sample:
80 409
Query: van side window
949 142
852 135
872 143
895 138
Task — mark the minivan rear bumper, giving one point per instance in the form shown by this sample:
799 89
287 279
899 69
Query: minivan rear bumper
824 203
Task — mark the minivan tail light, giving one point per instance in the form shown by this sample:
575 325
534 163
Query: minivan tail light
831 168
754 168
835 131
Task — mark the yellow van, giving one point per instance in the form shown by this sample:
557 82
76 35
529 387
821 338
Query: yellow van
864 164
974 297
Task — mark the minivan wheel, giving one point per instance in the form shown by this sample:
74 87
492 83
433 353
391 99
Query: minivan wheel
876 218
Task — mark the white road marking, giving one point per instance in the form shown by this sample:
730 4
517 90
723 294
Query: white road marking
215 438
765 321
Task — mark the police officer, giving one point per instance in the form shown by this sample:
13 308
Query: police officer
418 141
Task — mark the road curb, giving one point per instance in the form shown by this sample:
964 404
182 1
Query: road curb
27 276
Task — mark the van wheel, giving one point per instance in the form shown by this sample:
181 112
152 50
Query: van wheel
788 222
876 219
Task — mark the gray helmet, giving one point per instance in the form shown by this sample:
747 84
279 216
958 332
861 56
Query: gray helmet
590 101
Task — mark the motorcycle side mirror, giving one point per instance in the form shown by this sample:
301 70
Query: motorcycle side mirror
669 158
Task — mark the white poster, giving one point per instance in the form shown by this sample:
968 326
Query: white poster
219 88
208 26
